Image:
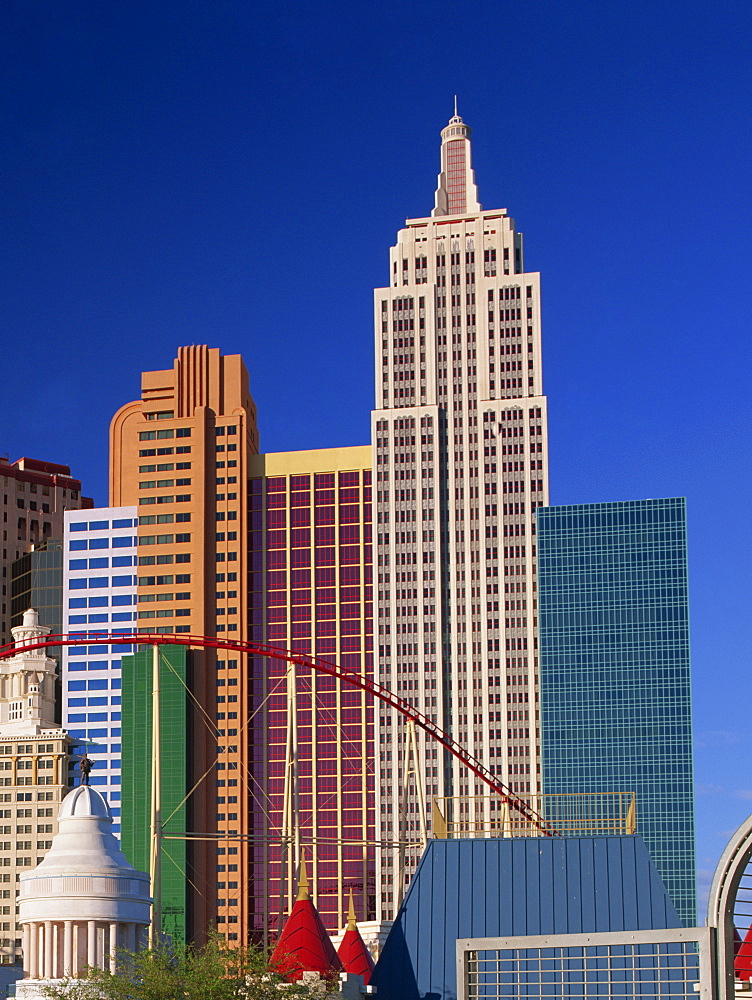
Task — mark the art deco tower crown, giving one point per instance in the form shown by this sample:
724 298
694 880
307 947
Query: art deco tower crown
457 193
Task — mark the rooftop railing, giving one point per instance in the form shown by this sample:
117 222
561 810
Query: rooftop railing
574 815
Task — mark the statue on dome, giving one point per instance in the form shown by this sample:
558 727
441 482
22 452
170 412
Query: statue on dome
85 765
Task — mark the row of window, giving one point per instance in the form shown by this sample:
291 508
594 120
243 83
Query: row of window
183 449
179 498
125 522
99 582
101 563
117 542
168 432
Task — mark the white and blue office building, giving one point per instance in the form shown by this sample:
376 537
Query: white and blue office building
99 596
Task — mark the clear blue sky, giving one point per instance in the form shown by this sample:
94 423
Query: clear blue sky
233 173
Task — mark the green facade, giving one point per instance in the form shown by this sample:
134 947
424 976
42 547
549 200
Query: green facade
136 774
615 685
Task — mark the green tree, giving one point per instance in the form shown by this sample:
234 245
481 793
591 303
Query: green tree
213 972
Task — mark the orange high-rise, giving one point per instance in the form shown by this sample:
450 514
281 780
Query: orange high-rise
180 454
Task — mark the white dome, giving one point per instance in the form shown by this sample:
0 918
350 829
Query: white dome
84 801
84 872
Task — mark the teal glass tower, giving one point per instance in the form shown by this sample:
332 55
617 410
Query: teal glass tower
615 695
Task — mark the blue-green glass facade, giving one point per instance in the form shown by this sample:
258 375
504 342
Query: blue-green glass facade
615 695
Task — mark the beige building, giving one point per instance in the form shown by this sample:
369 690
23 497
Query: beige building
459 468
34 497
33 771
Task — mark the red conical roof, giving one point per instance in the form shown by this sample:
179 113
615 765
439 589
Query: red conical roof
353 954
743 960
304 945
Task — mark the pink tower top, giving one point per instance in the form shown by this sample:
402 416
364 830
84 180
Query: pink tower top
457 193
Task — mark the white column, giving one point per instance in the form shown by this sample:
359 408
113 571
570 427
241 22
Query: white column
68 948
48 953
57 944
33 951
78 944
26 950
91 951
130 937
113 947
40 951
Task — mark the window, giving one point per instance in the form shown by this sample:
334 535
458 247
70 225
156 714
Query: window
183 432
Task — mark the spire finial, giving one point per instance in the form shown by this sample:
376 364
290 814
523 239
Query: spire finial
455 106
351 921
303 892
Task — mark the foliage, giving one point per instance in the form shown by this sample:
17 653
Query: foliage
213 972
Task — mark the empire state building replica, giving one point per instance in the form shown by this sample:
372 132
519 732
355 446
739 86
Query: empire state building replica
460 467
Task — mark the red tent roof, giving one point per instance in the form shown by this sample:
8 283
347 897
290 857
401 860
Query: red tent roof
304 945
353 954
743 960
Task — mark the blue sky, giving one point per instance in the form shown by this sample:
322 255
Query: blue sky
233 173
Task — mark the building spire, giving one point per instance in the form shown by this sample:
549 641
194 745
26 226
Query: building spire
351 921
457 193
303 887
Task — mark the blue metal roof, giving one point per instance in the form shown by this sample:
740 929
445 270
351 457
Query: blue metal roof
505 887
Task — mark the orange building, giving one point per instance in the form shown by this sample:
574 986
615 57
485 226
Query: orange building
273 548
180 454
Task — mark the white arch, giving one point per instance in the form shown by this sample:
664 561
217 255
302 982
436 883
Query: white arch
722 899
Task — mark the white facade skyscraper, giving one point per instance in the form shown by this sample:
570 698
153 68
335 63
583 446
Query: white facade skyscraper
460 466
99 596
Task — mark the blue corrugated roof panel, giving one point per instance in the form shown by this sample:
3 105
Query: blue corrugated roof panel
506 887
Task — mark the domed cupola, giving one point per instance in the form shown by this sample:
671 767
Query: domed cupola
83 902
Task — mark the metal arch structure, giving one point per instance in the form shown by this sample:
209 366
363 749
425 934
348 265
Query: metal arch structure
722 899
314 663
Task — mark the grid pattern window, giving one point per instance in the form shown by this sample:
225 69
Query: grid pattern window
311 592
615 669
655 964
99 596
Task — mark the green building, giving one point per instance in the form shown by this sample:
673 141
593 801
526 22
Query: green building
136 774
615 696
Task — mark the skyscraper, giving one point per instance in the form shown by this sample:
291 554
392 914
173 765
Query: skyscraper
99 596
312 756
616 713
36 581
35 495
180 455
460 466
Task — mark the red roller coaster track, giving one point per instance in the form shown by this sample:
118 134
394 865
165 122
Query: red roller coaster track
314 663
